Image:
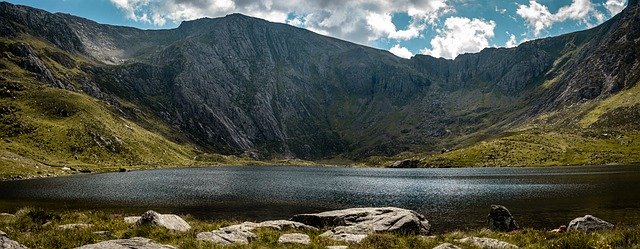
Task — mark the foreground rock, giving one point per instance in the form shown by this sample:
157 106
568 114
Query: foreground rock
589 223
500 219
169 221
405 164
6 243
446 246
487 243
74 226
241 233
133 243
294 238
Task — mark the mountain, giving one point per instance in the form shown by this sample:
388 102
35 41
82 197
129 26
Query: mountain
243 86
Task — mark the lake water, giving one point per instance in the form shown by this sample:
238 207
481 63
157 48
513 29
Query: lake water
449 198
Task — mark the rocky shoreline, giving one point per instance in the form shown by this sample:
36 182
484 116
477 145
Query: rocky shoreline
345 228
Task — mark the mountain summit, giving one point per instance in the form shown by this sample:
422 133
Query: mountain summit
239 85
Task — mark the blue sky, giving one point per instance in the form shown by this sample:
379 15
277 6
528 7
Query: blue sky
441 28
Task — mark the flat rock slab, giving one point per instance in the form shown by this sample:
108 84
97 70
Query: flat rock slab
385 219
447 246
227 237
589 223
168 221
6 243
274 224
133 243
294 238
74 226
487 243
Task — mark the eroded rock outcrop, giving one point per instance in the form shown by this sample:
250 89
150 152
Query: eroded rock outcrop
133 243
589 223
242 233
294 238
6 243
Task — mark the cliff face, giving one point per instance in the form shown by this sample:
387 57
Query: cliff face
239 84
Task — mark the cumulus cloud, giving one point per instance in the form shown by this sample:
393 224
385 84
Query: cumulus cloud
401 52
614 6
357 21
512 42
461 35
539 18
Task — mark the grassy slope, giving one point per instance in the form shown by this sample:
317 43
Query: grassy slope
27 228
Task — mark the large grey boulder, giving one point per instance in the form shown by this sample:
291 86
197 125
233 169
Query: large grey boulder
385 219
589 223
500 219
487 243
169 221
227 236
294 238
446 246
6 243
133 243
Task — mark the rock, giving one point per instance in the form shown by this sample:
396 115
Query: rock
7 215
447 246
405 164
169 221
74 226
294 238
133 243
386 219
487 243
337 247
500 219
344 237
275 224
561 229
6 243
589 223
102 233
227 237
131 219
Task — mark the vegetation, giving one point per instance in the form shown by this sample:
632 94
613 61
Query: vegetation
36 228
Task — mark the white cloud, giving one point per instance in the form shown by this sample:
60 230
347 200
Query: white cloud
401 52
512 42
539 18
461 35
359 21
614 6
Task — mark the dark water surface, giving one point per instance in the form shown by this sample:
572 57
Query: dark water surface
450 198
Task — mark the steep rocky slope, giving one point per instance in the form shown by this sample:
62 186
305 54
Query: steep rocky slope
241 85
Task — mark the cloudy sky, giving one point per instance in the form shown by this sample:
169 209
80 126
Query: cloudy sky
441 28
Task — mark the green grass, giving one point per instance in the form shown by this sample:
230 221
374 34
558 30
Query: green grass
38 229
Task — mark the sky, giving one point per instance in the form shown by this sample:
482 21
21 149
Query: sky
440 28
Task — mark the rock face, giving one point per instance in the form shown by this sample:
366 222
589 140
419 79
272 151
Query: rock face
241 233
169 221
500 219
133 243
386 219
487 243
446 246
6 243
405 164
589 223
294 238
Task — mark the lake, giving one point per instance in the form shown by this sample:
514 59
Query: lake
455 198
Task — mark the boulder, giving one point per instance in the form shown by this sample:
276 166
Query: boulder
133 243
386 219
560 229
447 246
294 238
589 223
405 164
349 234
227 237
74 226
169 221
500 219
6 243
487 243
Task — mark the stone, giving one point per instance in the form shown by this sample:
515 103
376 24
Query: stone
74 226
169 221
405 164
560 229
337 247
131 219
294 238
385 219
227 237
487 243
447 246
589 223
344 237
133 243
102 233
6 243
500 219
7 215
275 224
